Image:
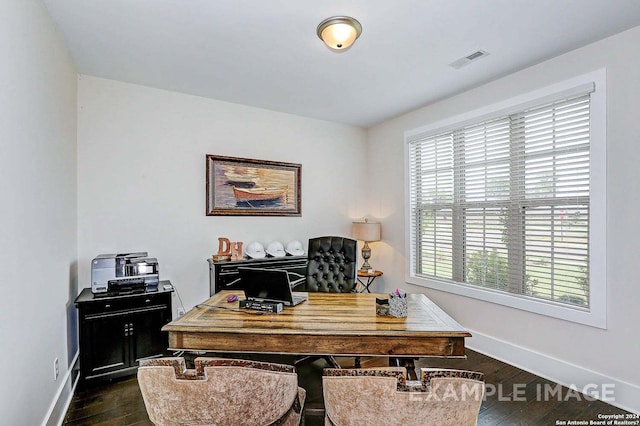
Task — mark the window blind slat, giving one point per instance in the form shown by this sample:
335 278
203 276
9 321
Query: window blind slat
506 202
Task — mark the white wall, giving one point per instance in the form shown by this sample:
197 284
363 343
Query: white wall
603 356
38 214
141 174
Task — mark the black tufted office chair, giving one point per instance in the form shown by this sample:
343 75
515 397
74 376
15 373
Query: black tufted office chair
331 268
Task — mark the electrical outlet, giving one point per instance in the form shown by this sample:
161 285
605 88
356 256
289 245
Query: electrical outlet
56 369
180 312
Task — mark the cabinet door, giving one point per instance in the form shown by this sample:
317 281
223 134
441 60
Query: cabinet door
146 339
106 348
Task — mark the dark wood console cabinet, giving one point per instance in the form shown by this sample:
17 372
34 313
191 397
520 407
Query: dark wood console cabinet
225 276
117 331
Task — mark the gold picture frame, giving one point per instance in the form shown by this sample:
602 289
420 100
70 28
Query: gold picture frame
249 187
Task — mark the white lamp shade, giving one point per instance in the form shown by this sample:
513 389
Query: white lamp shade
366 231
339 32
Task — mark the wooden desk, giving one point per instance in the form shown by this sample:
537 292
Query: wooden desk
327 323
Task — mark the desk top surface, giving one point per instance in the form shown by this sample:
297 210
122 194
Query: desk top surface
322 313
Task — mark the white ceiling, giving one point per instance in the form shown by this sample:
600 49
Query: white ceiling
265 53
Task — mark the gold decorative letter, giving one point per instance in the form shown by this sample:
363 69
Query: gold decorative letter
224 246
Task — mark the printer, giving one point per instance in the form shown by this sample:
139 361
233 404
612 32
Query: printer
124 273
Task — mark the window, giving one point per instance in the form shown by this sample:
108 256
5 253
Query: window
500 205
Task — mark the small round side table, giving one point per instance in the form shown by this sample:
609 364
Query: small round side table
370 276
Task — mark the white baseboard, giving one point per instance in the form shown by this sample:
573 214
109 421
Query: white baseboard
62 400
612 391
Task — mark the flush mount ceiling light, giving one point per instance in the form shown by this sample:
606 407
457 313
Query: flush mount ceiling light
339 32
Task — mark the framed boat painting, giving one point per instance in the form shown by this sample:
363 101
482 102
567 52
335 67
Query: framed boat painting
247 187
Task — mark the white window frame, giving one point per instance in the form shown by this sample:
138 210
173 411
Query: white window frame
595 314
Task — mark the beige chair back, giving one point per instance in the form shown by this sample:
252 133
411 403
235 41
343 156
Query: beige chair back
220 392
383 396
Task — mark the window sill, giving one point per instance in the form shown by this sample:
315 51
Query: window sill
594 316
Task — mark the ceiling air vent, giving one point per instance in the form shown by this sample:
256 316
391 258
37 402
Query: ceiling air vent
468 59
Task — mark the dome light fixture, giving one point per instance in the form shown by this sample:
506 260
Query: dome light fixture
339 32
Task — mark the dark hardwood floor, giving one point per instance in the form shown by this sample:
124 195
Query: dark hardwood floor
513 396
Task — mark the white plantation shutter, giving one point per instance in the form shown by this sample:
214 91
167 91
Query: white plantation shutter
503 204
431 188
554 165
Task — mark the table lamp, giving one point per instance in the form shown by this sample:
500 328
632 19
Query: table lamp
368 232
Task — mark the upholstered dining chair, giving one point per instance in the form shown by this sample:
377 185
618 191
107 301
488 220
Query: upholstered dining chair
331 268
384 396
220 391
